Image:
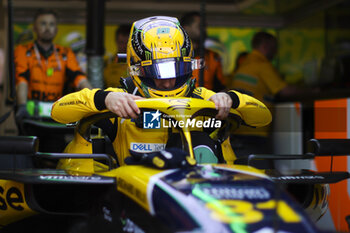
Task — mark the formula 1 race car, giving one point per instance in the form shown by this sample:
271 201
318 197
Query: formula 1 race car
87 192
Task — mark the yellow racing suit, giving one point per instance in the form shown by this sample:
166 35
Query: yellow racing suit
125 134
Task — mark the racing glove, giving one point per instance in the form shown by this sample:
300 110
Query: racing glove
164 159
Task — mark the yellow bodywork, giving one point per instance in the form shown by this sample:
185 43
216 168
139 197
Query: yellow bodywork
13 206
77 146
134 181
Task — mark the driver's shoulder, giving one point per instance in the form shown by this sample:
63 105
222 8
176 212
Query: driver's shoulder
116 89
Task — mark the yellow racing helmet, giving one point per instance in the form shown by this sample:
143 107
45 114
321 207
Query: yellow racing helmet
159 48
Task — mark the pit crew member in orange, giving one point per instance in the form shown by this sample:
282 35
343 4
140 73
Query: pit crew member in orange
45 69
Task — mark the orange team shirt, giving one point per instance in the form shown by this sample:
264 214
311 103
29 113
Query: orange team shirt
46 78
213 77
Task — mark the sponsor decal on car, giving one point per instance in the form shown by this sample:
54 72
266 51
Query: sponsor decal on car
70 178
238 213
146 147
237 193
11 198
13 206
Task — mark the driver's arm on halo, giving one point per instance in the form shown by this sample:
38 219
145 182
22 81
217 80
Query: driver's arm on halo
123 104
254 113
77 105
